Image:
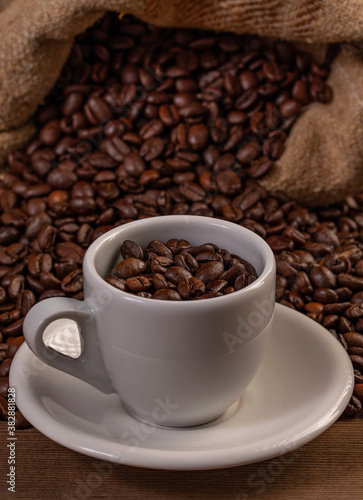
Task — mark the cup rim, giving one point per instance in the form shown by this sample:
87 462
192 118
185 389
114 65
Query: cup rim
268 256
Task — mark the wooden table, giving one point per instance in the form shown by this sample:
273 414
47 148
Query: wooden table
330 467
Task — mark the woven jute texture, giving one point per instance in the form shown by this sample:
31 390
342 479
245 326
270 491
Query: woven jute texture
323 159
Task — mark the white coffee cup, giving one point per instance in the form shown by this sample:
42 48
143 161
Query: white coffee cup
179 363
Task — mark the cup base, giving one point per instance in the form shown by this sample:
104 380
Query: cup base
231 410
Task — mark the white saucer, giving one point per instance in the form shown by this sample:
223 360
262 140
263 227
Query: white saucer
303 386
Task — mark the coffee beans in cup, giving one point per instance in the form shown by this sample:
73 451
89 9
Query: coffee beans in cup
178 270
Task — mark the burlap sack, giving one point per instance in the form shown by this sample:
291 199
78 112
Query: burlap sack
323 160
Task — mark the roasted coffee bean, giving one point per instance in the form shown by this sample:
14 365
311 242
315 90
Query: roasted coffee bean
357 298
288 271
131 249
247 153
191 288
159 281
176 274
146 295
329 321
261 166
354 312
51 293
296 299
242 281
358 391
233 272
294 234
3 408
216 286
187 261
325 295
67 251
83 205
247 100
61 179
336 308
305 258
207 257
5 366
354 339
228 182
318 249
345 325
169 115
50 133
354 407
335 264
25 301
129 267
148 258
12 254
359 268
192 192
20 421
198 137
195 250
134 165
14 329
249 267
160 264
281 284
16 286
84 235
289 107
322 277
210 295
324 234
46 237
3 352
72 283
210 271
357 362
38 262
166 294
8 317
232 214
354 283
64 267
8 235
14 346
159 248
355 350
118 283
193 110
4 386
97 110
139 284
280 243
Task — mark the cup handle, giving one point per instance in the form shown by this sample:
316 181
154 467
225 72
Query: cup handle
89 366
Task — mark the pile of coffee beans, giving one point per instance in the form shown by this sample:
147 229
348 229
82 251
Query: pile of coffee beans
177 270
147 121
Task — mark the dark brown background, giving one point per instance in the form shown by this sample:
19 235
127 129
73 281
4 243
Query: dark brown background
330 467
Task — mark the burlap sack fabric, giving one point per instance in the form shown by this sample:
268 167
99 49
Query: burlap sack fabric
323 160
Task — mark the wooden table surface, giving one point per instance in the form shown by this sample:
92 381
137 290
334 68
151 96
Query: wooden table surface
330 467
